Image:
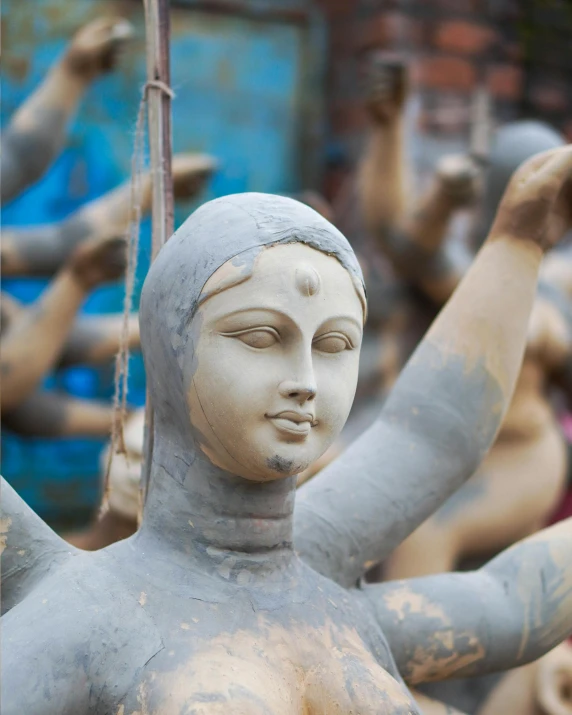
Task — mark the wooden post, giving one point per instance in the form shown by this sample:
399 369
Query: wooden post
159 113
157 24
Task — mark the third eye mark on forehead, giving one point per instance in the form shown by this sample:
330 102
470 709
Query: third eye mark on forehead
307 280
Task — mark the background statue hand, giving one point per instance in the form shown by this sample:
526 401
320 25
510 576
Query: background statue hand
537 204
459 176
386 87
99 260
95 47
190 174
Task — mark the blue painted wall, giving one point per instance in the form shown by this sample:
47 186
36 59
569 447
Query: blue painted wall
240 88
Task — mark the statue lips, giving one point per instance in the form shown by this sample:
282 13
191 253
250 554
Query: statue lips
292 423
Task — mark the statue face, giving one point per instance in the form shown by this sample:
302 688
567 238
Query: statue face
276 364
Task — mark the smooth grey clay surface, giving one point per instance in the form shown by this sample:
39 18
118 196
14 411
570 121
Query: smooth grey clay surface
251 321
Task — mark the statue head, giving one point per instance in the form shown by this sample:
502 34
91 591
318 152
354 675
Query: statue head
512 144
251 325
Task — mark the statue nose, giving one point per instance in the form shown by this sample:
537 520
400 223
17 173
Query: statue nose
303 392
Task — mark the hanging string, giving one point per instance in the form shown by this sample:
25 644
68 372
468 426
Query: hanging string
132 248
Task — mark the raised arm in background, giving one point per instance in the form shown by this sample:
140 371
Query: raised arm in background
53 414
42 250
32 344
412 234
36 133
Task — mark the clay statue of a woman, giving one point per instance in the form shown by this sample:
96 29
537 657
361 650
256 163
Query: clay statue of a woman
251 322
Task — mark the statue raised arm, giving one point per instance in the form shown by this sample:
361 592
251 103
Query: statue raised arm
36 133
42 250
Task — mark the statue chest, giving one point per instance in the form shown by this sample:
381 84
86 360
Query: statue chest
268 666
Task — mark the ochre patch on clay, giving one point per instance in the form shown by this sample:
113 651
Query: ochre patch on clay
5 524
326 671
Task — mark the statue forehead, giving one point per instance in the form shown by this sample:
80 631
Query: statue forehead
283 272
237 227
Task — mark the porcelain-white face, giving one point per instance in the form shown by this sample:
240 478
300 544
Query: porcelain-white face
277 362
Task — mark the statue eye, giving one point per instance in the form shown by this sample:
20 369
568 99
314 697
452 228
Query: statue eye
259 338
332 343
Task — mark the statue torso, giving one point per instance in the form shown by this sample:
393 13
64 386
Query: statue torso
159 646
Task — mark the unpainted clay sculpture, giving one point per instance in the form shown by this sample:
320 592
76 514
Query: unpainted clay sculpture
36 133
251 321
33 341
91 340
410 233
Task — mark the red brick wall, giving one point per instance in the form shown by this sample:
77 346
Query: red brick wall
521 49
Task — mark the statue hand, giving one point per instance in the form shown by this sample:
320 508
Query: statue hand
386 88
99 260
190 173
554 681
96 46
537 204
459 177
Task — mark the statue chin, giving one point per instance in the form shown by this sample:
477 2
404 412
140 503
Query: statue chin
259 465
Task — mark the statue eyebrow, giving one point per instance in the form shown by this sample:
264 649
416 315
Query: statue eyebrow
256 309
325 324
275 312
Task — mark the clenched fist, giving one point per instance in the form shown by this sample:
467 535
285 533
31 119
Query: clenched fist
95 48
537 203
459 177
386 88
190 174
99 260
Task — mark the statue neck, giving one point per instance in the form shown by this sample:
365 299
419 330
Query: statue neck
209 517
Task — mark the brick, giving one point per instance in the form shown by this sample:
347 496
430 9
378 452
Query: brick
505 82
444 72
549 98
463 37
388 29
